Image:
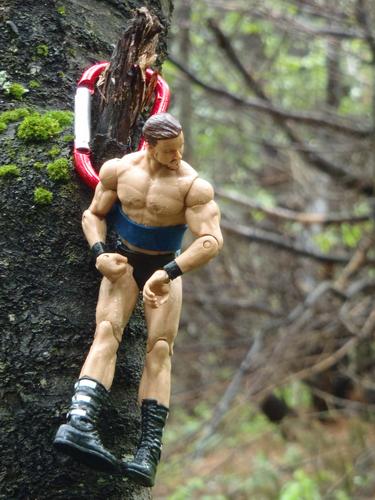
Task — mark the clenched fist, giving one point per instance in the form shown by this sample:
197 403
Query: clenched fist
111 265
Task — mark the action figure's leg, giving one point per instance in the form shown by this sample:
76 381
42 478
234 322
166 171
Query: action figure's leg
115 305
79 437
154 391
162 327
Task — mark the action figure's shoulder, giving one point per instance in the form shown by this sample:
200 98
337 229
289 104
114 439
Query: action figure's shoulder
187 170
112 170
130 161
108 174
200 192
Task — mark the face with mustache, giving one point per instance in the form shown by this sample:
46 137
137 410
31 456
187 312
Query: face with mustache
168 152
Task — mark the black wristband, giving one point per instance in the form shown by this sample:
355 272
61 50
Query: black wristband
173 270
98 248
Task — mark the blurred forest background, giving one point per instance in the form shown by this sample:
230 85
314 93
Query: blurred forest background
274 392
273 372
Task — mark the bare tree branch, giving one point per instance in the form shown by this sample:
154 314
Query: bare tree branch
346 403
249 362
309 155
291 215
287 22
223 405
311 118
332 359
261 236
356 262
252 359
363 18
231 304
364 186
363 15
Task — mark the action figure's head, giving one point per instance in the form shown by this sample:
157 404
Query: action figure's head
165 139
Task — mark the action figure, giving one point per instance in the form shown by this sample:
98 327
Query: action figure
150 197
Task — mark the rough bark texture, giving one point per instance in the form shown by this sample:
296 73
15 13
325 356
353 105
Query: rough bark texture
49 284
121 94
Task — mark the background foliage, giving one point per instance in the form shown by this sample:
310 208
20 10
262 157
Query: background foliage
273 393
277 102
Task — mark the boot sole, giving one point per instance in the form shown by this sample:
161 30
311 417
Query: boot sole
138 477
88 456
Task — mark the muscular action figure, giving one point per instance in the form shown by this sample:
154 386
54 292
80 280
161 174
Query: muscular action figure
150 197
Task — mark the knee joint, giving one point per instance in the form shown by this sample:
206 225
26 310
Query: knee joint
106 337
160 350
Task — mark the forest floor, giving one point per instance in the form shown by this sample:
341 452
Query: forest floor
304 458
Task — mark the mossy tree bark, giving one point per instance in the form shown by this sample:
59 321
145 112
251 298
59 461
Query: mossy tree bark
49 284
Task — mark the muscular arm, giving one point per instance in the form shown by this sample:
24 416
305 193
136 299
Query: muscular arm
203 218
111 265
93 220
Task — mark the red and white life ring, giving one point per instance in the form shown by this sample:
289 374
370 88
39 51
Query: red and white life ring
82 118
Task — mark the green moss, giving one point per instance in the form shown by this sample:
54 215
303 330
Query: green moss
41 50
16 90
68 138
9 171
54 151
34 84
14 115
38 127
61 10
42 196
39 165
58 170
65 118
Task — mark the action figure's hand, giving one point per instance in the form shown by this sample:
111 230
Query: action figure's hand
156 289
111 265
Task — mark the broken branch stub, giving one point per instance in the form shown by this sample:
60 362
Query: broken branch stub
121 92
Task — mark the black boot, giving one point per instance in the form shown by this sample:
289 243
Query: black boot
142 468
79 437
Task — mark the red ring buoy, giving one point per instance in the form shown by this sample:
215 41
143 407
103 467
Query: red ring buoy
82 151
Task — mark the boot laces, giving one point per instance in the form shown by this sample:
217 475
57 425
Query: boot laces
150 443
149 449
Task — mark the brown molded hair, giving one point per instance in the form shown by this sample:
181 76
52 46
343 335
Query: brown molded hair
161 126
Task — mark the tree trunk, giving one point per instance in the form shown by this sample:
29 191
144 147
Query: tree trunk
49 283
334 83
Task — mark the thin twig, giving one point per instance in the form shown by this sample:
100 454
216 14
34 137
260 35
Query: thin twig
231 391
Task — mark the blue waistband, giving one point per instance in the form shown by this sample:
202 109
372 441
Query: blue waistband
158 238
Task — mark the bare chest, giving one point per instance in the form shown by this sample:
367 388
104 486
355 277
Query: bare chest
146 198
